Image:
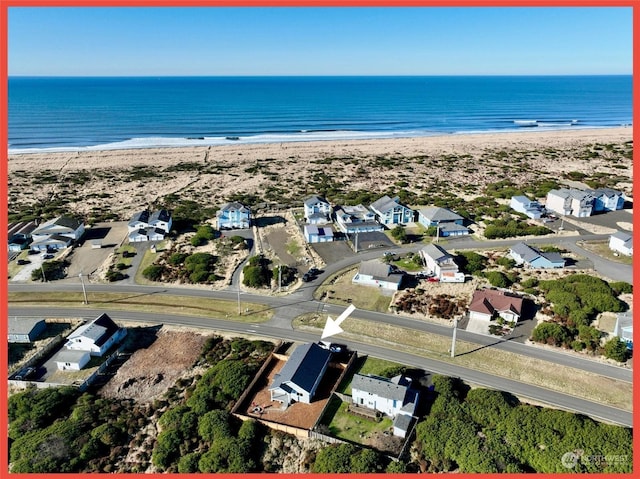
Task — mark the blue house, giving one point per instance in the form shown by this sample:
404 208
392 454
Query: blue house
233 215
524 205
522 253
318 233
607 199
391 212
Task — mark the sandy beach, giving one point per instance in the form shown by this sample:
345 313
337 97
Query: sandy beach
123 181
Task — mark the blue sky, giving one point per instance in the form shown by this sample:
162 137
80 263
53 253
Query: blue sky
319 41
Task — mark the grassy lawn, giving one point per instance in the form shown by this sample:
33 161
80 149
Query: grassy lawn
408 264
129 249
161 303
501 363
601 248
147 260
347 426
340 290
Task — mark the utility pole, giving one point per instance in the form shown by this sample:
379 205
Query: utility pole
44 278
355 244
453 340
84 291
279 278
239 310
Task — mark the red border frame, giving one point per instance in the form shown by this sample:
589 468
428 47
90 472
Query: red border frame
5 4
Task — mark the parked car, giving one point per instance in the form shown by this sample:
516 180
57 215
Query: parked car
25 373
306 277
33 251
23 261
314 271
337 348
47 256
433 279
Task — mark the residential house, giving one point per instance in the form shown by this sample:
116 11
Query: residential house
71 360
441 263
573 202
356 219
147 226
57 233
96 337
624 328
25 330
299 378
447 222
378 274
318 234
524 205
391 212
161 220
317 210
19 235
393 397
233 215
607 199
488 303
522 253
621 242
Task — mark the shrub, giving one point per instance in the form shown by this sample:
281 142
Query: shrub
617 350
497 279
399 233
154 272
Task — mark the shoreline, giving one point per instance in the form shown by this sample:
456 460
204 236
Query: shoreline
297 138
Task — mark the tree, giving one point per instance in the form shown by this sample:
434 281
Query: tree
214 425
154 272
616 349
335 458
497 279
471 262
399 233
367 460
551 333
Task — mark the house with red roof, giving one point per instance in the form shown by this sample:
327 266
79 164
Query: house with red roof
486 304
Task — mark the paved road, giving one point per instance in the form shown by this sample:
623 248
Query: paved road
287 308
562 401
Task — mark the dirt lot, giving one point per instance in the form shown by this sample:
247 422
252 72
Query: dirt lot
161 357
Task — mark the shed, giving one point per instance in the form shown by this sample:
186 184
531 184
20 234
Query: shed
25 330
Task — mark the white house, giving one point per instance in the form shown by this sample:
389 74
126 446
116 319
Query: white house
317 210
57 233
96 337
71 360
356 219
624 328
301 375
139 220
391 212
572 202
524 205
233 215
393 397
161 220
378 274
318 234
441 263
487 303
621 242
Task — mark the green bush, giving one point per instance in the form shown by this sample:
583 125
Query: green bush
497 279
471 262
617 350
154 272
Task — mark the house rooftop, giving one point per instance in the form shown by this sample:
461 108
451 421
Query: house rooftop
490 300
160 215
142 216
436 253
383 387
234 205
99 330
385 203
303 367
63 221
436 213
22 325
312 200
622 236
529 253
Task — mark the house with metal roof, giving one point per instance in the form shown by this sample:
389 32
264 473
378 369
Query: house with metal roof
25 330
572 202
19 235
394 397
71 360
607 199
161 220
447 222
378 274
621 242
390 212
233 215
96 337
522 253
487 303
57 233
147 226
299 378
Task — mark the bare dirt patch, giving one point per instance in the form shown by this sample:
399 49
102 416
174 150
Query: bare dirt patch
160 358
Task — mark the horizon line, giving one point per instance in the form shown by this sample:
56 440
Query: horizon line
321 75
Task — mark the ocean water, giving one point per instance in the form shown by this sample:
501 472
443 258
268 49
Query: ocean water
57 114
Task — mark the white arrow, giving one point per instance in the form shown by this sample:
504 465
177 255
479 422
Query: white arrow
333 327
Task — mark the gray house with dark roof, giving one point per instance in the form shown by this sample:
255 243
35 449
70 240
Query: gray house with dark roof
300 377
393 397
378 274
57 233
25 330
96 337
317 210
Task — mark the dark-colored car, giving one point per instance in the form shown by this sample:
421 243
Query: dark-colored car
47 256
23 261
314 271
25 373
33 251
306 277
